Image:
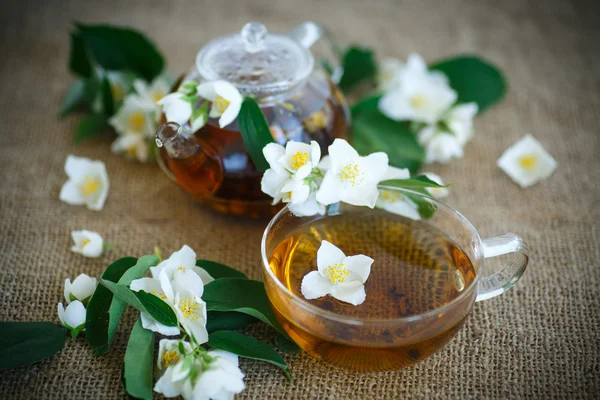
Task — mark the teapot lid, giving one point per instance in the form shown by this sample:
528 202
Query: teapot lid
255 61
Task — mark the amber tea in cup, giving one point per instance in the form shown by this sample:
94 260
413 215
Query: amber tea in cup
422 285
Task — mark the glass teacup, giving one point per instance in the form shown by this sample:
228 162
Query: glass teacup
426 276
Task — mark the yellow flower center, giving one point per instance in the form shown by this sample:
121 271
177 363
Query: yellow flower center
299 159
188 307
528 161
418 101
136 121
336 273
117 92
182 268
157 96
351 173
221 104
161 296
132 151
170 358
85 243
390 197
89 186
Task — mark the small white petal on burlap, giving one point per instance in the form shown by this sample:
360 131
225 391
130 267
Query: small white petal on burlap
87 184
527 162
87 243
338 275
82 288
73 317
226 100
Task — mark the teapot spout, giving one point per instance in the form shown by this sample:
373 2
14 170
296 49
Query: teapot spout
192 162
177 141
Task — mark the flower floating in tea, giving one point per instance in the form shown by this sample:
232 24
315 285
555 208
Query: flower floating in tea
341 276
87 243
527 162
87 184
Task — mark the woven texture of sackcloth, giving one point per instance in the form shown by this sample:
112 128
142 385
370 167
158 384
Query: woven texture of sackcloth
540 340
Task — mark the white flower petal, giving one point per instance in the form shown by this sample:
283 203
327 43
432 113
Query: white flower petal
71 194
443 148
148 285
149 323
395 203
328 254
395 173
272 183
74 314
61 313
436 192
359 265
87 243
308 208
341 154
133 145
175 108
207 91
315 286
75 167
82 288
354 296
67 291
328 193
325 163
273 152
188 280
315 152
191 314
395 105
527 162
203 274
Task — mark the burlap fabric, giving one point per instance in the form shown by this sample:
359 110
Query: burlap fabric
540 340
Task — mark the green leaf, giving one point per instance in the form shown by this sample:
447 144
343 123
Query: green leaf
255 132
75 98
79 63
248 347
201 111
286 344
89 127
117 307
157 308
365 104
474 80
373 131
107 97
415 183
115 48
218 270
138 362
25 343
359 65
97 314
218 321
241 295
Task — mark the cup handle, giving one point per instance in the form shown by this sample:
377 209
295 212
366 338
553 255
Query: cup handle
500 281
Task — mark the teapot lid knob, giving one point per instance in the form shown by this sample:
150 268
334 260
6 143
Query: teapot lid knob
253 35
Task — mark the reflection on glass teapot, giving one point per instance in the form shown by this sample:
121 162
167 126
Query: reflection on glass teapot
300 103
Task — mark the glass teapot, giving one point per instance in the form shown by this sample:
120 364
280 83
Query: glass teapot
300 103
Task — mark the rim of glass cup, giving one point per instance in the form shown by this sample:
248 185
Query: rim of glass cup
362 321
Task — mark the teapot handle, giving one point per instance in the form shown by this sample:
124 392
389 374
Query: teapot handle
308 33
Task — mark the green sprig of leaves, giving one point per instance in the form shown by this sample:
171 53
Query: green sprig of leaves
138 362
418 184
